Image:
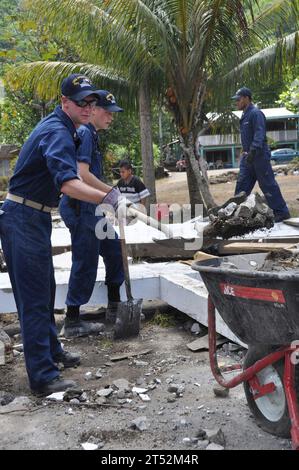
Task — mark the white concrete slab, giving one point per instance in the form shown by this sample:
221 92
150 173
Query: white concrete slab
173 282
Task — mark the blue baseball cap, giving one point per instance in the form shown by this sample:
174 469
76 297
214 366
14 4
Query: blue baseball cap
244 91
107 101
77 87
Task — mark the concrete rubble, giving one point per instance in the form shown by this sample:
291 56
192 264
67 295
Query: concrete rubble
141 423
239 217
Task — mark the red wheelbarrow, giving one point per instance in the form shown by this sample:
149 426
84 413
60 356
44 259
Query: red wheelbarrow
262 310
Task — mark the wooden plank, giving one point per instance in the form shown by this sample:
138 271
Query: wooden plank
157 251
253 247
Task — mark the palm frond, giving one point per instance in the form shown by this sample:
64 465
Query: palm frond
45 78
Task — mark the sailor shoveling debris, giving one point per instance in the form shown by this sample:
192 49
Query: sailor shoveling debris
238 216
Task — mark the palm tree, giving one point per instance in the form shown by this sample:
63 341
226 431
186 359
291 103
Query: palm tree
182 46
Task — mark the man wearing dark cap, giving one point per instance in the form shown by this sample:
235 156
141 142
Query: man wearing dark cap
46 167
255 158
81 219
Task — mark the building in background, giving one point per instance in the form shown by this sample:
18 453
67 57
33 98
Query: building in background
222 150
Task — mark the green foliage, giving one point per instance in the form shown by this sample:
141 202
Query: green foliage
165 320
17 117
3 183
290 96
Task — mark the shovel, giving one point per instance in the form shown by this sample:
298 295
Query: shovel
171 241
128 313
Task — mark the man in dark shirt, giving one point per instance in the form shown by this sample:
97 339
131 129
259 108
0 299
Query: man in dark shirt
130 185
82 221
255 163
46 167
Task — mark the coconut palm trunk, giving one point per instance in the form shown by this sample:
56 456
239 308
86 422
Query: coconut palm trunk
147 142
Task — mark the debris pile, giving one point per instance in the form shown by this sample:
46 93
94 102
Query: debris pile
279 261
238 216
291 169
228 177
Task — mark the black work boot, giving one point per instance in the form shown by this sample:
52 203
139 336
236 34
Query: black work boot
113 302
68 359
56 385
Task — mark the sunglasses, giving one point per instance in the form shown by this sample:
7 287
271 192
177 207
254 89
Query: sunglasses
84 103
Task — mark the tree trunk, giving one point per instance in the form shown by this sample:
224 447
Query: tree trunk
194 193
198 184
147 142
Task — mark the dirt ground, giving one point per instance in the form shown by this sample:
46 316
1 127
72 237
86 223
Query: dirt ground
175 190
48 425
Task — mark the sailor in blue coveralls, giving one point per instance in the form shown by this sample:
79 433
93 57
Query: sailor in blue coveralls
46 166
81 220
255 159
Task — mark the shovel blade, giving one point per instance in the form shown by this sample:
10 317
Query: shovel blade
127 322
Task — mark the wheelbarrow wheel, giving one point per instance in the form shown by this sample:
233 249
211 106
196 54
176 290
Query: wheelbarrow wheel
270 411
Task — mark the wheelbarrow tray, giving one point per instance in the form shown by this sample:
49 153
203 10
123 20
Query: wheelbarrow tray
259 307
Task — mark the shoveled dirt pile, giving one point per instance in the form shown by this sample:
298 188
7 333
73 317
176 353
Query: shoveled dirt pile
279 261
238 216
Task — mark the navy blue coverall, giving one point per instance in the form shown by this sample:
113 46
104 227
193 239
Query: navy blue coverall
81 220
46 161
253 136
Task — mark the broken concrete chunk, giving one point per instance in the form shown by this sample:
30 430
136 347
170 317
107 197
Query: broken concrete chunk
122 384
214 447
104 392
139 390
216 436
18 404
144 397
74 401
141 423
88 376
228 210
83 398
89 446
57 396
202 344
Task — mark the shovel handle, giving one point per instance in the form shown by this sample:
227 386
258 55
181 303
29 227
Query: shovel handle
124 253
150 221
